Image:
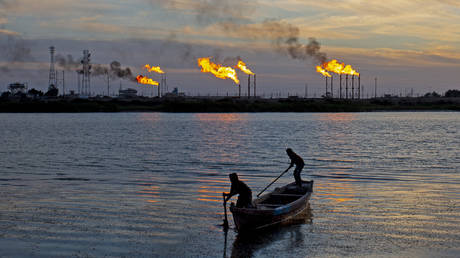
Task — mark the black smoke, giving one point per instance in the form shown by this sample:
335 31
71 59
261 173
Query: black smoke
67 62
284 37
113 70
14 50
235 17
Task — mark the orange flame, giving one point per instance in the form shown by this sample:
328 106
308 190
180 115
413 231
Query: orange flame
336 67
322 71
243 67
156 69
145 80
219 71
349 70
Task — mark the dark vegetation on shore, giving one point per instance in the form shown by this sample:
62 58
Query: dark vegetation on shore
190 104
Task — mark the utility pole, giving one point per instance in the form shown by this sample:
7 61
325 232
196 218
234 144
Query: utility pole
332 86
375 88
255 95
306 90
249 86
359 86
63 83
108 84
78 82
340 89
52 75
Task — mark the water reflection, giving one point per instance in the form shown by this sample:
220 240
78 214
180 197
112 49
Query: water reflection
211 190
291 234
336 193
337 117
151 117
151 193
221 117
222 137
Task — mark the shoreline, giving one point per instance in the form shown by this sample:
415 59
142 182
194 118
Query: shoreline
225 104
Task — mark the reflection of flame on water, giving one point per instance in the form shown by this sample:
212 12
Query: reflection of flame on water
151 117
212 190
221 117
211 193
329 192
336 117
150 192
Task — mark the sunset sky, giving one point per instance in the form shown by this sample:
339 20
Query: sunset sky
407 44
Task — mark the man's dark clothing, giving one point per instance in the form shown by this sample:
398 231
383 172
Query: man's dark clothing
245 194
299 164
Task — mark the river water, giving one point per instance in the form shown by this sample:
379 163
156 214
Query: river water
150 184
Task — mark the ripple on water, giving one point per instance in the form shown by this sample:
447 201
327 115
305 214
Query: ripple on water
143 184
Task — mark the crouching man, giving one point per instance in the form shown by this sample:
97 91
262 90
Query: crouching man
239 187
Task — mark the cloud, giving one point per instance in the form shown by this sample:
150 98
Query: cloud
60 8
431 20
207 12
14 50
233 17
9 32
374 58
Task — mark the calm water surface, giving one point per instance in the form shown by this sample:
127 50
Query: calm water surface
150 184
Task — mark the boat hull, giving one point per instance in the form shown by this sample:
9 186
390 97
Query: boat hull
274 208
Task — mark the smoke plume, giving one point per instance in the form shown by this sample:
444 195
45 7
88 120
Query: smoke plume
211 11
67 62
114 70
234 17
14 50
284 36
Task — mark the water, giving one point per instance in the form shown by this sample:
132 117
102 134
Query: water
150 184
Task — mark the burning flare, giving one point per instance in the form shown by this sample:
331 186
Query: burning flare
322 71
335 67
219 71
243 67
349 70
145 80
156 69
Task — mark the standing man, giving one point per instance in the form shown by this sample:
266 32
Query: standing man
299 164
239 187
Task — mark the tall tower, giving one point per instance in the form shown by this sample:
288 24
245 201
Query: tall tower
86 84
52 76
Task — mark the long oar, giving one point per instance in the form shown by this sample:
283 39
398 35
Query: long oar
225 212
273 181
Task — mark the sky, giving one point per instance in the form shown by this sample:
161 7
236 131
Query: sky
409 45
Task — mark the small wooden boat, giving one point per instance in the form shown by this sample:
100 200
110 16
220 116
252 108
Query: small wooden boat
274 208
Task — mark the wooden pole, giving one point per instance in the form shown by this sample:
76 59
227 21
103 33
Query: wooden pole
346 86
273 181
249 86
332 86
340 88
255 86
225 212
352 87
